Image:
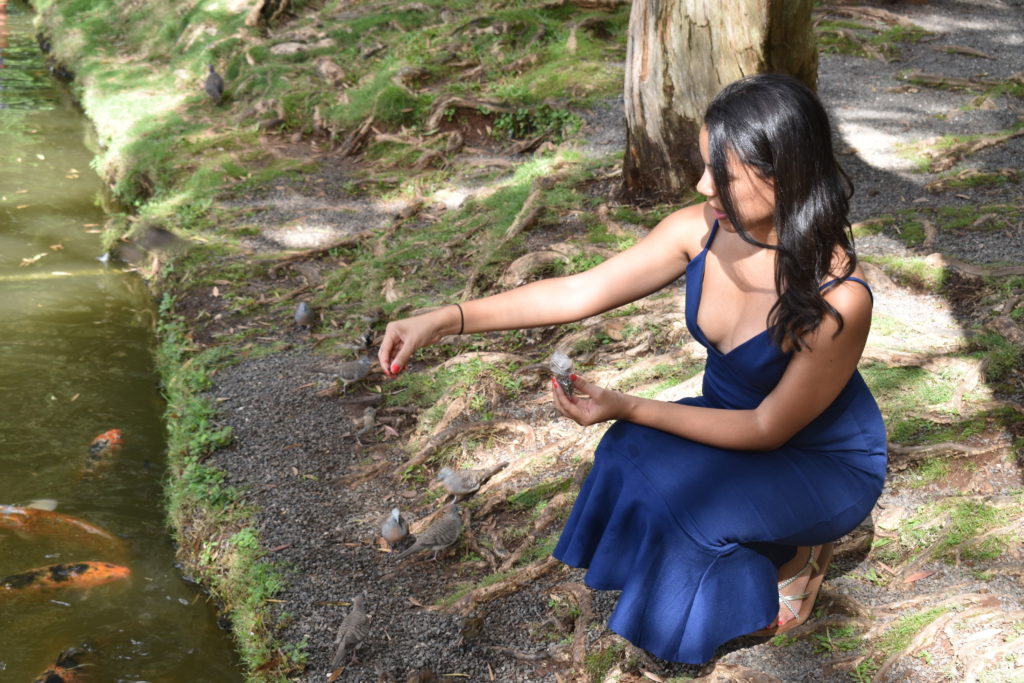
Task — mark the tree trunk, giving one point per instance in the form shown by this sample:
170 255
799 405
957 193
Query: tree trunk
679 54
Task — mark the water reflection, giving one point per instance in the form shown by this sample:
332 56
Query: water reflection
76 340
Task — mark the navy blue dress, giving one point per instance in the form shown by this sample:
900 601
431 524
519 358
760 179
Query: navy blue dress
694 535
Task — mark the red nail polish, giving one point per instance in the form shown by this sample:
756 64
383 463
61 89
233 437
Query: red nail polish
573 377
395 369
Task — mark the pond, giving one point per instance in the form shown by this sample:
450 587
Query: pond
76 345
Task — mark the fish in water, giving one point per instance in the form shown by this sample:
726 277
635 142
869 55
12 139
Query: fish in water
67 668
34 522
102 449
62 576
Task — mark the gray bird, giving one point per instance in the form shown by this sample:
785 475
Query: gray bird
353 371
304 315
438 536
352 632
463 483
394 529
369 415
214 86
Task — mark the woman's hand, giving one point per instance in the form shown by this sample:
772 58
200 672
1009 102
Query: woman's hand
589 403
403 337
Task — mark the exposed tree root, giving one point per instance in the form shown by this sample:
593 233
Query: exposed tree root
452 433
311 254
870 14
357 138
948 157
527 216
485 357
900 457
524 576
922 639
972 269
557 503
580 595
589 4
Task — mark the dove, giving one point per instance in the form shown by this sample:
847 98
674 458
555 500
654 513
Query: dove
439 535
352 632
353 371
463 483
304 315
369 413
214 86
394 529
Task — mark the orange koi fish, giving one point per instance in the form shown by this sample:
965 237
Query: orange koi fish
61 576
67 669
35 522
102 448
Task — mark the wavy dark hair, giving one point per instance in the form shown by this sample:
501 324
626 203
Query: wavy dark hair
778 126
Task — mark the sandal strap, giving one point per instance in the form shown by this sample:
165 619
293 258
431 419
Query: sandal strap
811 562
785 600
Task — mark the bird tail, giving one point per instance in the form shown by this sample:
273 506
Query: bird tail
408 551
497 468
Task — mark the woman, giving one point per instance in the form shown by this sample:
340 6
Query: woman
714 515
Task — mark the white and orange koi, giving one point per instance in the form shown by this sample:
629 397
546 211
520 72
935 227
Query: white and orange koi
28 521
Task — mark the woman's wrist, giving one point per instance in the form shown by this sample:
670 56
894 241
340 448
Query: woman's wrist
453 320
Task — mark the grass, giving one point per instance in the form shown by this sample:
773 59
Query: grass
234 570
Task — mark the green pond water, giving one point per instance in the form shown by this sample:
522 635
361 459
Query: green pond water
76 343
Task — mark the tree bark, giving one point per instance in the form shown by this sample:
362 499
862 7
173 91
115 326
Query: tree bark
679 54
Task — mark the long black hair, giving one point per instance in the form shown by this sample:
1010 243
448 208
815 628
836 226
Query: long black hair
778 126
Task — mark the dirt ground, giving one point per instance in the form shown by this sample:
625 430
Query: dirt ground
321 492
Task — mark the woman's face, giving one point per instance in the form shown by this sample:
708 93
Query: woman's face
753 196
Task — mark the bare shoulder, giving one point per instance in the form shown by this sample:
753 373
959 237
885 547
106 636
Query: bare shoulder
688 226
852 298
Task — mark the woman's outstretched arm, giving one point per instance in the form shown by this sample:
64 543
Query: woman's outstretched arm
656 260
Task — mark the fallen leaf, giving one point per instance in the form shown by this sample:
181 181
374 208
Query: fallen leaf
216 291
280 547
917 576
295 471
56 247
887 568
22 206
415 602
653 676
389 430
29 261
75 397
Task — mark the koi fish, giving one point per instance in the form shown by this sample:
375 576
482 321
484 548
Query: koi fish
102 448
60 576
29 521
67 668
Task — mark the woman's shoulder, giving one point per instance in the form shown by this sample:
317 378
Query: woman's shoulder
691 225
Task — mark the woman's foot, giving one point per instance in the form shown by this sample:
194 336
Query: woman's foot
793 579
799 581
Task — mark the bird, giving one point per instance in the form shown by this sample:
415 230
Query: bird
352 632
394 529
214 86
304 315
353 371
463 483
438 536
369 413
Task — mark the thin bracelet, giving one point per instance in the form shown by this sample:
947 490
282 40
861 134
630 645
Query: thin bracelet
462 319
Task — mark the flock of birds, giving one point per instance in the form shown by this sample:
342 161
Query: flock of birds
440 534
